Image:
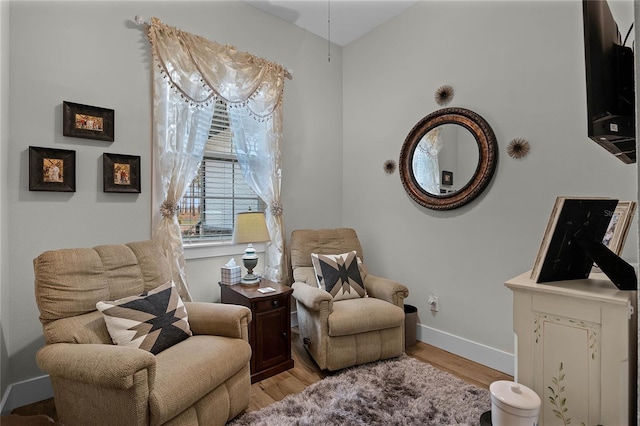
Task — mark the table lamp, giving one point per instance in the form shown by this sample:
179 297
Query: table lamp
250 227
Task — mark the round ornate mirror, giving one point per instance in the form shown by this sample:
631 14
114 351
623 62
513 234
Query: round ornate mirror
448 158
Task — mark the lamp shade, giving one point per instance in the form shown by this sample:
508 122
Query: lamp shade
251 227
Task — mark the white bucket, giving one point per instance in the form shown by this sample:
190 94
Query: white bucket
513 404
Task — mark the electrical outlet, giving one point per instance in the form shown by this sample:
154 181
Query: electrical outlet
434 304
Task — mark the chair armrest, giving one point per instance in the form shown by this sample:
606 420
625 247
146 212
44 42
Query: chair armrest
311 297
219 319
386 289
103 365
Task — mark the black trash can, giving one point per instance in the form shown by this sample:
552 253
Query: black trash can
410 322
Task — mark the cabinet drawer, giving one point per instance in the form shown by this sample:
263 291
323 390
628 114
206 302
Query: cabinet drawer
266 305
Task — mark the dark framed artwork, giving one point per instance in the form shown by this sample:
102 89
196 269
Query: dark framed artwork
88 122
52 169
447 178
121 173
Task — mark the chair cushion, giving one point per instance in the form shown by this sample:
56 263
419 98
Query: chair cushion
191 369
339 274
324 241
86 328
69 282
361 315
153 321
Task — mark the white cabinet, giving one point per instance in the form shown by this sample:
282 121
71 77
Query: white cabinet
576 347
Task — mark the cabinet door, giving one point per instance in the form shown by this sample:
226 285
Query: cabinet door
566 370
272 334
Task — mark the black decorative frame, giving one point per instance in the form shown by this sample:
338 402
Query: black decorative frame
121 173
52 169
72 118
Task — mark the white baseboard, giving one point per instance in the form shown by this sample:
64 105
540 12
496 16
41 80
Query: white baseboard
26 392
482 354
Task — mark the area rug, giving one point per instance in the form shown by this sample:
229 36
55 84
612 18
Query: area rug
402 391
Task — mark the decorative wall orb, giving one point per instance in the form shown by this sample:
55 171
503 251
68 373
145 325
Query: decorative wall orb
518 148
389 166
444 94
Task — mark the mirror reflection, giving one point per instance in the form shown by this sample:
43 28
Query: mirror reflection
445 159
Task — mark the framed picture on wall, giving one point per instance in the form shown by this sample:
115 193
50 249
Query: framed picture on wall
52 169
447 178
121 173
88 122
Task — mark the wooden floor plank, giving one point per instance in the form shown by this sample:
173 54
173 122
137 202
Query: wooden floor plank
465 369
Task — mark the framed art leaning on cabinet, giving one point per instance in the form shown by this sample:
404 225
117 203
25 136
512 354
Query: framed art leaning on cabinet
618 229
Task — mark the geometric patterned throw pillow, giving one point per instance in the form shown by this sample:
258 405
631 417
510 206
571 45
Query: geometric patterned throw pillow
339 274
153 321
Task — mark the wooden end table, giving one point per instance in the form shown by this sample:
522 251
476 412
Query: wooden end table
270 327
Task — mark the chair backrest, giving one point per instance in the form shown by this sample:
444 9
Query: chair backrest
322 241
69 282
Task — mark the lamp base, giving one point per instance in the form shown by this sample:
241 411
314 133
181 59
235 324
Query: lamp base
250 260
250 279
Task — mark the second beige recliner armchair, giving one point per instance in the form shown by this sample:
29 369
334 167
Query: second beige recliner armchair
344 333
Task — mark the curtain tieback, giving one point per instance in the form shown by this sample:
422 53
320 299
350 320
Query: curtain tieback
276 209
168 208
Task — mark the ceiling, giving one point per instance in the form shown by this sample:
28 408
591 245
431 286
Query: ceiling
349 19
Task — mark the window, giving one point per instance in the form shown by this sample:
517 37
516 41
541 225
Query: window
208 209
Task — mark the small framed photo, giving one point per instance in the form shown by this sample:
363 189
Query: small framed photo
447 178
621 220
121 173
52 169
88 122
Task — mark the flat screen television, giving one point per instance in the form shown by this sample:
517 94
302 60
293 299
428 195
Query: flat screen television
573 242
610 78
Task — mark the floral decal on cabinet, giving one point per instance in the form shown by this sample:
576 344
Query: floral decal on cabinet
559 389
557 400
540 318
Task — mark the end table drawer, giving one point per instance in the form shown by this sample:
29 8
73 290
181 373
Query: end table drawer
267 305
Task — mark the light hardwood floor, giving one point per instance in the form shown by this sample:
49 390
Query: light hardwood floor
305 372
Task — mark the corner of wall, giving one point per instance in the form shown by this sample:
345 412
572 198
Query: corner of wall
4 136
636 10
25 392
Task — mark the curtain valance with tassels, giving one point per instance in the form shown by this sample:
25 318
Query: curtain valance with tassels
202 70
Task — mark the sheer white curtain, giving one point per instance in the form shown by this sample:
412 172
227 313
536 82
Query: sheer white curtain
192 73
180 133
257 145
425 162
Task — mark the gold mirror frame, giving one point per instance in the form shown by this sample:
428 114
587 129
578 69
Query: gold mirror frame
487 150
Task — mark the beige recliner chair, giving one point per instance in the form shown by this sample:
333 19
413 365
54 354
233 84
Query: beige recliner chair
343 333
203 379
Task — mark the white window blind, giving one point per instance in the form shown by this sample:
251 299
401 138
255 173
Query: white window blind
209 207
